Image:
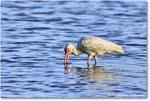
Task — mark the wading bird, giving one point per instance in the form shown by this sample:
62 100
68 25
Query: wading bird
92 46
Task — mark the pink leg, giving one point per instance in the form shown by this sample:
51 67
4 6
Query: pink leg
95 58
88 61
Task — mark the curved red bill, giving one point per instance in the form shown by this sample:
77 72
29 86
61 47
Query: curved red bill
67 53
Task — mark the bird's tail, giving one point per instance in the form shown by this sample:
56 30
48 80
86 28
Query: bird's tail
120 49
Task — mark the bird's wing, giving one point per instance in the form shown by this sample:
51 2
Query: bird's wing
98 46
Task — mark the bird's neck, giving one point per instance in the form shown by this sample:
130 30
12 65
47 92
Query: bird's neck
76 52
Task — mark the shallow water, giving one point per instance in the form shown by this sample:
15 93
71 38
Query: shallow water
34 34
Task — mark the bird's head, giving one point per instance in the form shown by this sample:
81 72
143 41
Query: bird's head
68 50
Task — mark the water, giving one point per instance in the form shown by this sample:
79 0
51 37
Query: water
34 34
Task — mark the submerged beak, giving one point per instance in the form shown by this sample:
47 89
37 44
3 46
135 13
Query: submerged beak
67 53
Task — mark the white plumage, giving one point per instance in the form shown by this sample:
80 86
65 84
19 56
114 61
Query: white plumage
92 46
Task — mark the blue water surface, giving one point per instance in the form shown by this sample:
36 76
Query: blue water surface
34 34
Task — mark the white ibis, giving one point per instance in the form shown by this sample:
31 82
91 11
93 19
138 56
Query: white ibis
92 46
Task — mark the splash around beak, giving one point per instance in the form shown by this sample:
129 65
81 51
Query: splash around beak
67 53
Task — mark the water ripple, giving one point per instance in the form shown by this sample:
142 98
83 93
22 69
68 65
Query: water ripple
34 34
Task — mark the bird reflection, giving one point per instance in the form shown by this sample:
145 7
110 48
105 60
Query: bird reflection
96 76
95 73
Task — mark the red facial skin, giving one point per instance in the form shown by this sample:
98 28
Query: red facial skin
67 53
